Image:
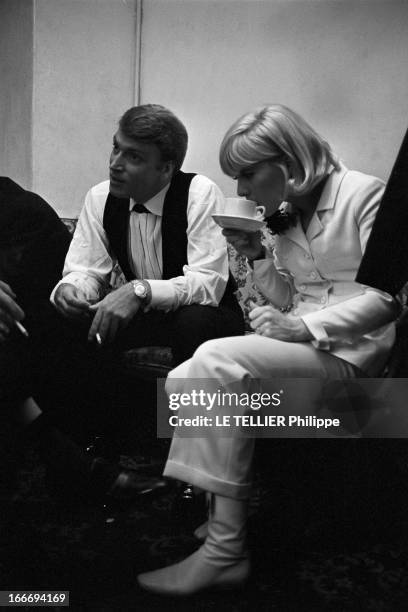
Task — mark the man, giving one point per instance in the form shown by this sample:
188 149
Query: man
33 245
34 374
155 221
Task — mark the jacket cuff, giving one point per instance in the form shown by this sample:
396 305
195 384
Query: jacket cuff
321 339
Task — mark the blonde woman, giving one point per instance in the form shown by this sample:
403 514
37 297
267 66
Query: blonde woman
319 322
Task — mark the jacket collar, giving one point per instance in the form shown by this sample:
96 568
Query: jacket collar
326 202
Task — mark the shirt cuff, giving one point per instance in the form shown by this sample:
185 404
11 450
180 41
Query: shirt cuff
164 295
90 289
321 339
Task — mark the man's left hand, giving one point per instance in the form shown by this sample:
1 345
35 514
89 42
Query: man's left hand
269 322
113 314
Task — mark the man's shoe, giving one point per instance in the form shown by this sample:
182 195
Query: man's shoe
121 484
128 486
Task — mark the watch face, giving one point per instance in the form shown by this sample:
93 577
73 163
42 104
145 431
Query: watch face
140 291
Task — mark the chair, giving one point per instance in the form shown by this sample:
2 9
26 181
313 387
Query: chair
397 365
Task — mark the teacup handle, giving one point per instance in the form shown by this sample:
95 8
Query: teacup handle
260 212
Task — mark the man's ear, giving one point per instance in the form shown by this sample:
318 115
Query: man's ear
168 168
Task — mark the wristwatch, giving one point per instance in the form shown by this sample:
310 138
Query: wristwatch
140 289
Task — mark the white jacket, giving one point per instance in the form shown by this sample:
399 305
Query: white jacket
316 272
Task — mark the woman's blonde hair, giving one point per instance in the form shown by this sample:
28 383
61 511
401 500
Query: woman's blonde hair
275 132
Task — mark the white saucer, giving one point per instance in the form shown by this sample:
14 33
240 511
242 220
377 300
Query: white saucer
245 224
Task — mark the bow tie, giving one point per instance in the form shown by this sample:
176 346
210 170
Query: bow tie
140 208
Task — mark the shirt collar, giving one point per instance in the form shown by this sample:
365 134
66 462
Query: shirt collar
156 203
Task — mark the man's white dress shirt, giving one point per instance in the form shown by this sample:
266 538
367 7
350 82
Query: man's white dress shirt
89 262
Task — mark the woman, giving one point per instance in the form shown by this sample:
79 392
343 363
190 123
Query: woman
319 322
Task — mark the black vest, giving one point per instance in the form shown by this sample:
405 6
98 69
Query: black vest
174 231
174 227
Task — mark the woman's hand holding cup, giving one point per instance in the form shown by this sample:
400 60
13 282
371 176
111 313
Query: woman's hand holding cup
247 244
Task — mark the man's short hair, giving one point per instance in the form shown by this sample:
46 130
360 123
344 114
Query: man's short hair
156 124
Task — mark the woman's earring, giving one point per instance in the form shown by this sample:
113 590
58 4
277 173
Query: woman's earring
289 188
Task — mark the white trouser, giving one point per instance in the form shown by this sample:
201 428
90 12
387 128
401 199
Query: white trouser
223 465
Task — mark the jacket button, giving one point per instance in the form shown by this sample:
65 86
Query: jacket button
323 300
303 287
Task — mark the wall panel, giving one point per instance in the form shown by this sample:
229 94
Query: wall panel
340 63
84 69
16 79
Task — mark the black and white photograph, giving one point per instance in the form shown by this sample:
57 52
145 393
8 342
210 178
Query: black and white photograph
203 305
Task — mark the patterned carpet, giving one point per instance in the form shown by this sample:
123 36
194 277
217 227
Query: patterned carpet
328 533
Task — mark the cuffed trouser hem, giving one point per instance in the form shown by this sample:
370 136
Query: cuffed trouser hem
206 481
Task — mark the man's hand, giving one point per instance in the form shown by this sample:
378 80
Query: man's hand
10 311
269 322
246 243
70 302
113 313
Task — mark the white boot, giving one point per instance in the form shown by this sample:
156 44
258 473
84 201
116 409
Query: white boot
201 532
222 561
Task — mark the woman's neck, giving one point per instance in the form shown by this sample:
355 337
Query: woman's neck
307 203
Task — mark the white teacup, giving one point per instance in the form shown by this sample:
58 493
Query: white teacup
240 207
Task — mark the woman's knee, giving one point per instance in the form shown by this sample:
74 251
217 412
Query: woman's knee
230 347
175 377
201 359
208 349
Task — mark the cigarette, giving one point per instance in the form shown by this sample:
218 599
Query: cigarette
98 339
22 329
